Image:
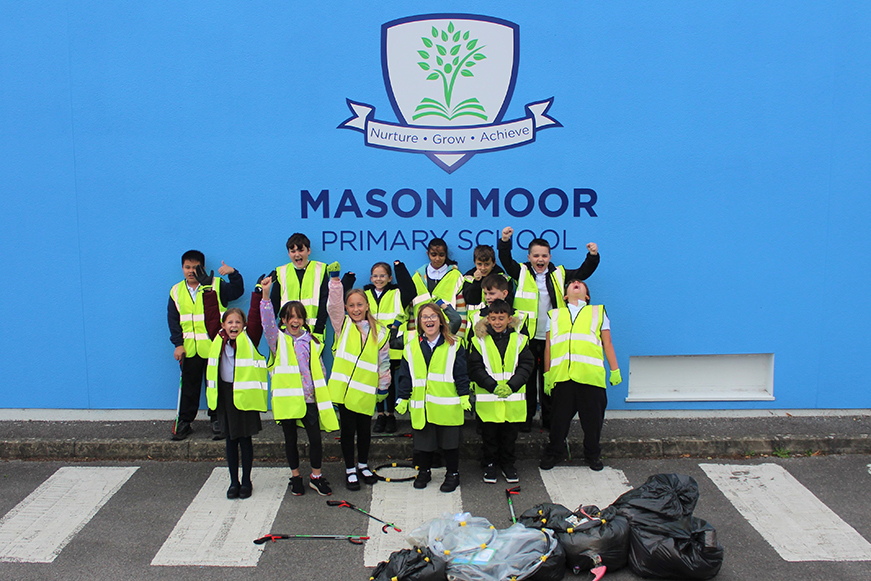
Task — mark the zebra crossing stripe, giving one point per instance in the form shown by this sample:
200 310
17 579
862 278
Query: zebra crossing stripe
41 525
408 508
216 531
787 515
573 486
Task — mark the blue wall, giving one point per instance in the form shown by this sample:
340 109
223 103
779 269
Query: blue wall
728 144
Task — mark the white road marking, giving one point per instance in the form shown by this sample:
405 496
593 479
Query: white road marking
787 515
573 486
215 531
38 529
408 508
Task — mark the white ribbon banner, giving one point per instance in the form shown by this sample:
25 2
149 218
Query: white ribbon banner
448 139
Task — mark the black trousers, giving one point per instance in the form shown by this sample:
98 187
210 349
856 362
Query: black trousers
312 425
535 385
499 440
191 386
589 402
359 425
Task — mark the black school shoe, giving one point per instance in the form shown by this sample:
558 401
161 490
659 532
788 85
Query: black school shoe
380 423
352 480
550 460
233 491
367 475
422 479
245 491
452 480
596 464
296 487
183 429
390 426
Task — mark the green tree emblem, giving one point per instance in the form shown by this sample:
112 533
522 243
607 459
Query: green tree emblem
455 55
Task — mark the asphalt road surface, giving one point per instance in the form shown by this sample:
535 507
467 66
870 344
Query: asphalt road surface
778 519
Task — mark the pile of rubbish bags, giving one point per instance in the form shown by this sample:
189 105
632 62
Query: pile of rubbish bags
650 528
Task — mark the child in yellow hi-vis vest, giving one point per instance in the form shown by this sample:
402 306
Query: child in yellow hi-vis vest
299 387
578 343
499 363
434 386
360 375
236 384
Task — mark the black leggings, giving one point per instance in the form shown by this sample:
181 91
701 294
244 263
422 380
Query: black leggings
311 423
359 425
247 447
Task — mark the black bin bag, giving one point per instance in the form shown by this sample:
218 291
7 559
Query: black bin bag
684 549
417 564
588 536
665 540
599 538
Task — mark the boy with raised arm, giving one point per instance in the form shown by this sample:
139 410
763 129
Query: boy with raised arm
539 289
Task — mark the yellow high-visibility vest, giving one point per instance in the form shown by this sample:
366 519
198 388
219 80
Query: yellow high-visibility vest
354 378
576 347
526 297
250 378
434 398
308 293
489 406
192 319
387 310
288 398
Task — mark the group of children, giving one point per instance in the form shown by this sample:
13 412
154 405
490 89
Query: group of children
422 345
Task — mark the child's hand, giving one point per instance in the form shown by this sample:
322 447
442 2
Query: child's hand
202 278
502 390
592 248
507 231
179 353
225 269
266 285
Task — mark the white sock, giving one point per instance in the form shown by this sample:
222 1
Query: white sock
351 474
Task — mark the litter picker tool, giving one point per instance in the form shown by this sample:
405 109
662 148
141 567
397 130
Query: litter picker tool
347 504
355 539
180 382
508 494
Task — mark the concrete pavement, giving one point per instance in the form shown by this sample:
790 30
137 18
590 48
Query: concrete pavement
145 435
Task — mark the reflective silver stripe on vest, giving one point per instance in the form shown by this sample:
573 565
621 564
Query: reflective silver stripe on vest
370 389
325 405
416 403
288 392
250 363
250 385
339 377
490 397
443 400
320 382
426 298
285 369
213 361
573 358
192 317
197 336
309 302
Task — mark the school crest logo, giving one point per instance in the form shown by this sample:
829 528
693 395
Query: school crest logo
450 78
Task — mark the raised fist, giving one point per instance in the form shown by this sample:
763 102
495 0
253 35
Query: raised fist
507 232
